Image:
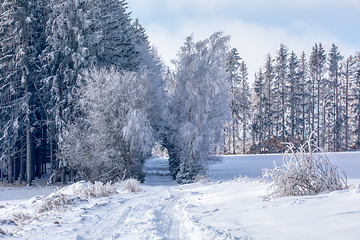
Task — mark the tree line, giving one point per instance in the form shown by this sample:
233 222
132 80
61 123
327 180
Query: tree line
295 98
49 52
84 96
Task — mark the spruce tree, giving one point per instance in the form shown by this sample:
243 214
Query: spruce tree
258 119
280 91
22 39
317 69
347 99
334 107
269 98
245 104
294 97
233 77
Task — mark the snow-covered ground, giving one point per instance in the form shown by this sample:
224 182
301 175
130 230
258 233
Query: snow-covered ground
227 208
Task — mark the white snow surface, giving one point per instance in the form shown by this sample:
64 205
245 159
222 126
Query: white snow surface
230 207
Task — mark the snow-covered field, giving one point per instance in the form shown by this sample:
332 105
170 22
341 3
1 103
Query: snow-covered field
227 208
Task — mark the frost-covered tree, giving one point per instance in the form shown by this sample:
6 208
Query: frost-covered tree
304 88
63 59
355 105
347 99
114 135
280 91
258 120
239 99
109 35
317 70
233 76
334 99
22 40
294 97
83 34
245 104
269 107
198 106
149 61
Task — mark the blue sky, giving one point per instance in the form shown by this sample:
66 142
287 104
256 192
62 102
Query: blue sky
256 27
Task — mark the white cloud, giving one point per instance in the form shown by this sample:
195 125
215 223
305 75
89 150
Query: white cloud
253 38
214 5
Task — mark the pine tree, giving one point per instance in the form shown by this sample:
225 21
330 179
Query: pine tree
280 90
317 70
150 62
258 120
304 89
294 97
269 98
63 61
83 34
347 98
356 103
244 103
335 95
109 35
232 69
22 40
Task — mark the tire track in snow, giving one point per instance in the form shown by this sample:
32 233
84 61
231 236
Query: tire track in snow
146 215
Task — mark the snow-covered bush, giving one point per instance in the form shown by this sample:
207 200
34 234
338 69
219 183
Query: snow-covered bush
86 190
131 185
22 218
203 179
305 171
56 201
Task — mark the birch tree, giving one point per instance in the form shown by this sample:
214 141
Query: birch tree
198 106
115 132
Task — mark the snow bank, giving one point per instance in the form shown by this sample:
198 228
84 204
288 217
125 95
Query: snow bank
252 165
237 210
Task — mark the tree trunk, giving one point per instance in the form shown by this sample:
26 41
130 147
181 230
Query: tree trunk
29 156
63 175
318 115
51 150
347 105
244 134
22 164
233 135
10 169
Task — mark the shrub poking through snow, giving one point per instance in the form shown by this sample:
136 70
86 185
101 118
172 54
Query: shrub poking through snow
87 189
305 171
57 201
203 179
131 185
22 218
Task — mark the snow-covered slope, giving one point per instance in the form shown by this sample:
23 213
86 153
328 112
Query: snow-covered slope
234 209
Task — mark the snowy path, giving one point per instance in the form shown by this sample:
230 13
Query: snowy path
148 215
160 211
